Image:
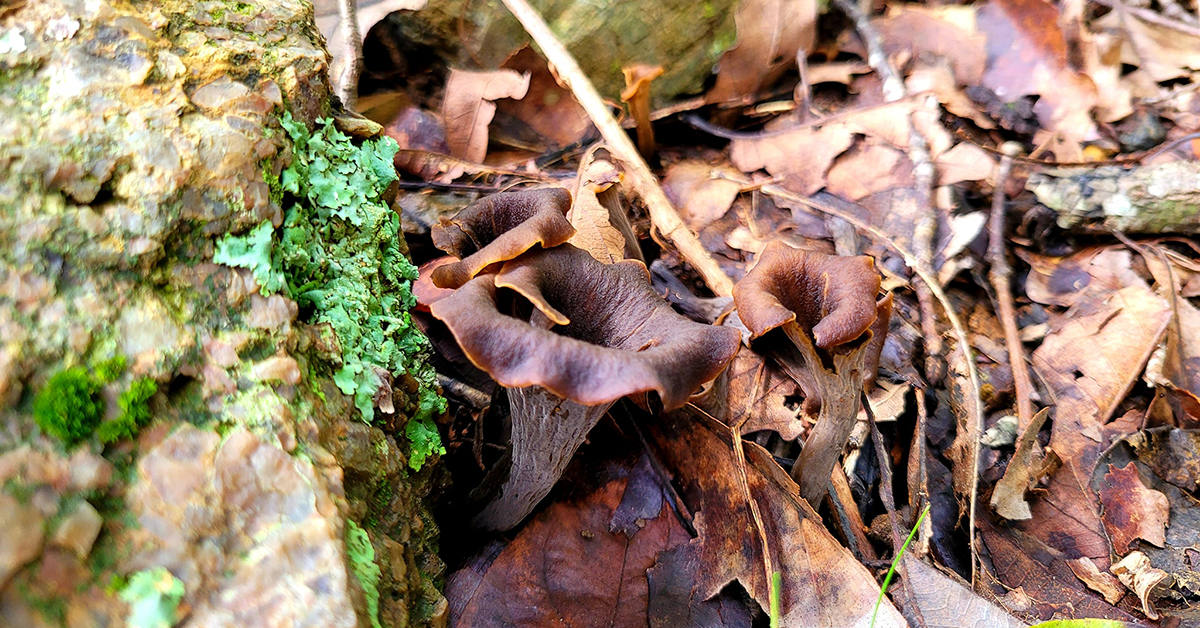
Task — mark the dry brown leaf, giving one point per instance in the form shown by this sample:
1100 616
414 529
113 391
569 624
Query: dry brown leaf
579 563
1089 360
769 32
867 169
965 162
798 158
944 600
1027 55
597 212
822 584
548 108
939 80
1042 572
1131 510
1101 54
754 393
467 109
945 31
1101 582
1065 281
1022 473
700 192
1162 53
1135 572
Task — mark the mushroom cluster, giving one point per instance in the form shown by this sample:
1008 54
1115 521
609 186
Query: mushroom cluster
564 334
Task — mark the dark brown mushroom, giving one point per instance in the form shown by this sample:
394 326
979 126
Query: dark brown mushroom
498 228
826 307
595 333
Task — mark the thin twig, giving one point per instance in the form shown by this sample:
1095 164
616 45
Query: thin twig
346 85
662 214
1001 277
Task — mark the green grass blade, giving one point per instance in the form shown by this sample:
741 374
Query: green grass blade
895 561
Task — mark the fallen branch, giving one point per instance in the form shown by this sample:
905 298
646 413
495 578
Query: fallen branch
662 215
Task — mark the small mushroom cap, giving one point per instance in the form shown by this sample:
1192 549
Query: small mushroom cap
498 228
616 337
832 298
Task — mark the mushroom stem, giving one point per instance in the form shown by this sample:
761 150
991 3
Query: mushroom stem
546 432
838 382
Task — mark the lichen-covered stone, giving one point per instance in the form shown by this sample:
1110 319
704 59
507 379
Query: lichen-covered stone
133 137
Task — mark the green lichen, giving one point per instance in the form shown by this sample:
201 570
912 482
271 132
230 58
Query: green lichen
362 562
153 596
135 412
69 407
252 251
339 253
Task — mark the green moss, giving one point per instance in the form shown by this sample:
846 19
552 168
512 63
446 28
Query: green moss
153 596
109 370
69 407
53 609
362 562
339 253
135 412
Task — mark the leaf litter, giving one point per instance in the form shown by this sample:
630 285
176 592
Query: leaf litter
1090 512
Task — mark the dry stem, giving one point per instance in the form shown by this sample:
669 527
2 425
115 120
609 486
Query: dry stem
347 80
662 214
1001 278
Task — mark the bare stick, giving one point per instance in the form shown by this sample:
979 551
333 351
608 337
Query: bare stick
347 79
1001 277
662 214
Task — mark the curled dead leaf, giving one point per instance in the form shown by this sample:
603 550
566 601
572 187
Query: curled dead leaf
467 108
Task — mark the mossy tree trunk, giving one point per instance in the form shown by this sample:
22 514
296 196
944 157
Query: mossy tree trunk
211 422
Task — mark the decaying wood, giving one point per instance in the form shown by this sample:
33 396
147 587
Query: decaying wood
1156 198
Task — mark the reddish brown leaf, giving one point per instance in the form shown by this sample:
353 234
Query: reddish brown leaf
467 108
1131 510
1027 55
571 564
822 583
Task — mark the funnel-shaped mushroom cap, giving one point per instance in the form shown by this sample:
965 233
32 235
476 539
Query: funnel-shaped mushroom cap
616 336
498 228
832 298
